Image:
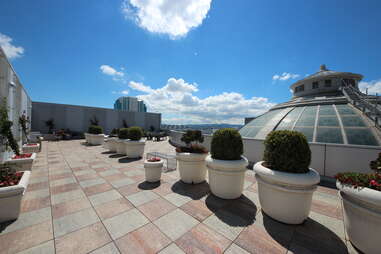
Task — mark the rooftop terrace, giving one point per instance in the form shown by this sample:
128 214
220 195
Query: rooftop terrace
82 199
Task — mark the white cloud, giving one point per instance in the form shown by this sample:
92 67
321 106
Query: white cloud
177 97
9 49
285 76
373 86
110 71
125 92
172 17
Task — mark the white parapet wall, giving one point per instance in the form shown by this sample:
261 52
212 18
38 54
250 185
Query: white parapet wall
327 159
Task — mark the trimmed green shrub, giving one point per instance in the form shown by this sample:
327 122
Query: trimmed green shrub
135 133
287 151
123 133
95 129
192 138
226 145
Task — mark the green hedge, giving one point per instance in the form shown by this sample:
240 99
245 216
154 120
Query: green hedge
135 133
123 133
226 145
287 151
95 129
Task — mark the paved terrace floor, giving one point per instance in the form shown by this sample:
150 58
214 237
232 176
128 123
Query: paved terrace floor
81 199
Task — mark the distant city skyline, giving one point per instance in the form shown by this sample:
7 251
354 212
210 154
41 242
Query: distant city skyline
128 103
219 62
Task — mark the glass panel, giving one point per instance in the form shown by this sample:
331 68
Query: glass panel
326 110
263 119
345 110
244 130
253 131
329 135
363 136
352 121
308 132
328 121
308 117
289 120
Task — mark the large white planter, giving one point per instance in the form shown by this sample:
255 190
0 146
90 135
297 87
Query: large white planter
121 146
10 199
362 217
31 149
286 197
112 144
153 170
135 149
24 164
226 177
87 138
95 139
192 167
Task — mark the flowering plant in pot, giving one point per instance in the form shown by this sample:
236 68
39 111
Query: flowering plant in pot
191 158
153 167
121 141
12 188
226 165
95 135
361 199
285 181
135 145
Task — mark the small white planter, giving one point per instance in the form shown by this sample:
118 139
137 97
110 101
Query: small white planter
153 170
286 197
135 149
112 144
362 217
121 146
95 139
10 199
31 149
24 164
226 177
192 167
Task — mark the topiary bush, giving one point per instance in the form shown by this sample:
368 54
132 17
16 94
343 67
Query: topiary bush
135 133
192 138
287 151
123 133
226 145
95 129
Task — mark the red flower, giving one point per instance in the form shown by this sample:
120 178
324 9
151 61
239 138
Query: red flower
373 183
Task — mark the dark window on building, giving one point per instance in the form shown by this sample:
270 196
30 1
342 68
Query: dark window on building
328 83
315 85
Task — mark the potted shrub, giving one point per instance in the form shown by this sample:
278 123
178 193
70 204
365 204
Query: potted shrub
12 188
121 141
95 135
135 144
153 169
191 158
285 181
361 199
226 165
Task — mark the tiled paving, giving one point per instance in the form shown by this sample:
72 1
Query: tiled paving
83 199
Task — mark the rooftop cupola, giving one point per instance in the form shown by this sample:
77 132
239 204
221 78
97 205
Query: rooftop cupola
323 67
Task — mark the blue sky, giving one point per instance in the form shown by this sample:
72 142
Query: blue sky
196 61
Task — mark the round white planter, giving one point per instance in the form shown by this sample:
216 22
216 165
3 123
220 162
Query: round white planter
192 167
10 198
112 144
153 170
121 146
135 149
226 177
95 139
286 197
87 138
362 216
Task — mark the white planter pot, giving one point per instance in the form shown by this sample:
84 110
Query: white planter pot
87 138
95 139
362 217
226 177
153 170
192 167
24 164
121 146
10 199
286 197
31 149
135 149
112 144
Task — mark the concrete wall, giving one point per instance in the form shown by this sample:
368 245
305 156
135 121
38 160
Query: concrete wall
327 159
77 118
17 98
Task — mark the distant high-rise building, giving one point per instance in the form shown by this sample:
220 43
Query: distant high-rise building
130 104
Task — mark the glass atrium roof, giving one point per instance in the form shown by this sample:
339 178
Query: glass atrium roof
339 124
